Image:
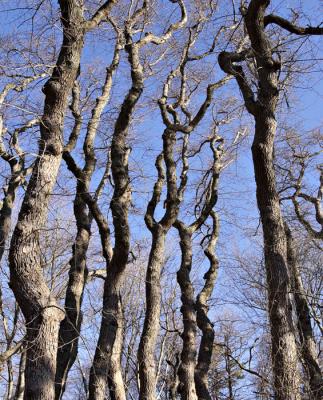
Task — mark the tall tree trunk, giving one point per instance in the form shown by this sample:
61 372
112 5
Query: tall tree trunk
146 350
283 341
284 350
193 376
71 325
112 317
7 205
186 369
308 349
39 308
228 369
115 374
20 387
203 322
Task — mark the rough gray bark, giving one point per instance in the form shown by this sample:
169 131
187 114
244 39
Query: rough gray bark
71 325
284 350
115 375
159 229
193 374
78 272
173 384
146 350
203 321
306 336
104 364
40 309
186 369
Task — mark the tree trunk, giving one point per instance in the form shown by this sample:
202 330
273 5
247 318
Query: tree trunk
186 369
103 370
39 308
115 380
284 351
203 322
307 343
20 387
8 202
146 351
112 315
71 325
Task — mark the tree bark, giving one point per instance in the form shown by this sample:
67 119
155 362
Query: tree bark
308 349
39 308
20 387
112 316
284 349
146 351
78 273
203 322
193 374
115 375
186 369
71 325
6 209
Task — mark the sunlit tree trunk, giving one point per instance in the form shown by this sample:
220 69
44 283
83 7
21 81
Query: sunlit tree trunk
106 363
284 349
40 309
308 349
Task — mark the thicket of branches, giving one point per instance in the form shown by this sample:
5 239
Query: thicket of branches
139 257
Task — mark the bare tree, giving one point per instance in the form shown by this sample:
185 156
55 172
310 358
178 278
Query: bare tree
159 229
71 325
40 309
263 108
292 162
306 336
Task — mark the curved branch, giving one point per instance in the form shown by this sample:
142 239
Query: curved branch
100 15
290 27
151 38
10 352
149 217
226 60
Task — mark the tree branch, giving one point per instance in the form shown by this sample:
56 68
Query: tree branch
100 15
290 27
